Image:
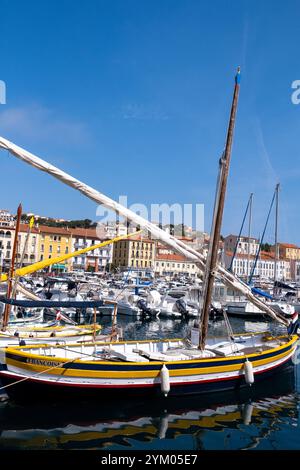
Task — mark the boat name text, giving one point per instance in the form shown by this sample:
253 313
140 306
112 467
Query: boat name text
40 362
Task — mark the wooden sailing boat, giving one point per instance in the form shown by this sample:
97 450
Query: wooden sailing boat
170 367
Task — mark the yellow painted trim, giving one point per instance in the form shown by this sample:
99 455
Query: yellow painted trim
21 350
82 373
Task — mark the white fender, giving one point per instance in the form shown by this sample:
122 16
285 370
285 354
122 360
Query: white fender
249 375
164 380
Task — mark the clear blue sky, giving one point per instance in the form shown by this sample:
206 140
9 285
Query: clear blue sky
133 97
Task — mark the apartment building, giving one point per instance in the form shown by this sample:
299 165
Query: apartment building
135 252
265 268
244 244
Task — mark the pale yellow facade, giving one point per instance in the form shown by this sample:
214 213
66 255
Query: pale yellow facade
54 242
289 251
134 253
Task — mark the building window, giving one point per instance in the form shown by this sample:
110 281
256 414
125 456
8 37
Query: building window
42 247
67 250
58 249
41 257
50 248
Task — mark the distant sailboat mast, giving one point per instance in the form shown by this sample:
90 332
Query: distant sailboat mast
212 257
249 235
276 237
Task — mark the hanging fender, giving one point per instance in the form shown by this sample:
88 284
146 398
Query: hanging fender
249 375
164 380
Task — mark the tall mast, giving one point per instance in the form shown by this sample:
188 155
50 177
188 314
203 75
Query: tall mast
276 234
212 258
12 268
249 234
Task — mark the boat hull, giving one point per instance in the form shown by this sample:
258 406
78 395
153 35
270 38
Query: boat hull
207 374
35 389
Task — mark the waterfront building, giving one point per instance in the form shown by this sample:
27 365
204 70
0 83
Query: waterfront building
265 268
97 260
6 218
27 248
53 242
288 250
244 244
171 264
6 243
28 244
134 252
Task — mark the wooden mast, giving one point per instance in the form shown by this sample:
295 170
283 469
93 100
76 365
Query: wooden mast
12 268
212 258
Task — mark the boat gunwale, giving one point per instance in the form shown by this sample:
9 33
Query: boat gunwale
18 350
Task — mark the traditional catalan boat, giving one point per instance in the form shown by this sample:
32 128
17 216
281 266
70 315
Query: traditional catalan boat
169 367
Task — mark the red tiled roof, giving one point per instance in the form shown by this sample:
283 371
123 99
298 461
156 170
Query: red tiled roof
85 232
139 238
24 228
74 232
54 230
264 255
288 245
172 258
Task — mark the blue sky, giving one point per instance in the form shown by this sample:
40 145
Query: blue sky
133 98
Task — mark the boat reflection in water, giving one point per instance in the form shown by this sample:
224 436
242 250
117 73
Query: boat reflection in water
250 418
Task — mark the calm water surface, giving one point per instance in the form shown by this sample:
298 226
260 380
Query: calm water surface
261 417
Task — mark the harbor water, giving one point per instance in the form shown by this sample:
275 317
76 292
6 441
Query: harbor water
261 417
